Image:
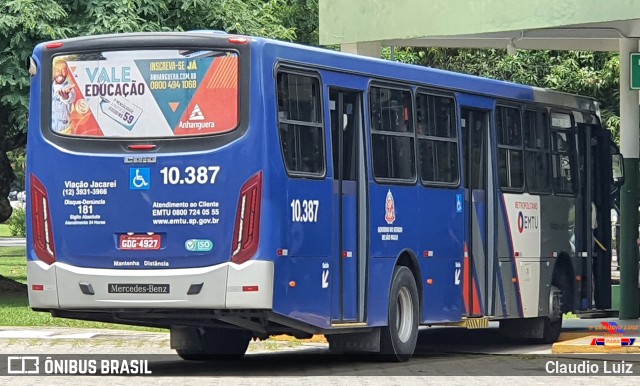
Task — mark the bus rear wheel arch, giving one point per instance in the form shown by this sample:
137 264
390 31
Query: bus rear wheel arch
560 296
544 329
399 338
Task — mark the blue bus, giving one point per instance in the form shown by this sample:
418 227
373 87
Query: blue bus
230 187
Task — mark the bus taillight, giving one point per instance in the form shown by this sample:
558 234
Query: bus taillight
41 220
246 232
238 40
54 45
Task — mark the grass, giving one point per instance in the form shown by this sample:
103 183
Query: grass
13 264
4 230
14 307
569 315
16 312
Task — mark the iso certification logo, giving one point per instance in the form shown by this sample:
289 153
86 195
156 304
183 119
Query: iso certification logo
196 245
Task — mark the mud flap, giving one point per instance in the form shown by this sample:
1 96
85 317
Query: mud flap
355 342
184 338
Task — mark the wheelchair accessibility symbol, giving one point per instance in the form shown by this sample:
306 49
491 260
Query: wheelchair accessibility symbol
139 178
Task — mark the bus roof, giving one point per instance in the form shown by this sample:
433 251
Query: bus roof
429 76
381 69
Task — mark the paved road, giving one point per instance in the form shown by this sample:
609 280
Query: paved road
444 356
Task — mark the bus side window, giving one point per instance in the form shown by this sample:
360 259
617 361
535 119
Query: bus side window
509 132
537 151
300 123
437 139
563 161
392 138
563 153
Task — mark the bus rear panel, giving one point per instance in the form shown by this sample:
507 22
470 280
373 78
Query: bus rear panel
137 195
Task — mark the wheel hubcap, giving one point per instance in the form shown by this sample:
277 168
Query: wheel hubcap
555 304
404 315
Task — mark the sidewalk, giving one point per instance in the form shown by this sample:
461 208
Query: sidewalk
41 340
26 332
12 241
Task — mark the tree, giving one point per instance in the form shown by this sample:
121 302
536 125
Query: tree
26 23
302 17
588 73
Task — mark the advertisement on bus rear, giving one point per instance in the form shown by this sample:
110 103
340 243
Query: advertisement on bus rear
142 94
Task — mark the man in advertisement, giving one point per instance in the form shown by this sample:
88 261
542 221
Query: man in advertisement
63 96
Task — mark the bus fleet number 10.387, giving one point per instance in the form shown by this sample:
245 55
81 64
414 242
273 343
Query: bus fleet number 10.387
304 210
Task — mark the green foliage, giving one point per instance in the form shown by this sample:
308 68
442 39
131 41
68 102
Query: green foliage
25 23
92 17
302 17
17 158
17 223
593 74
249 18
404 55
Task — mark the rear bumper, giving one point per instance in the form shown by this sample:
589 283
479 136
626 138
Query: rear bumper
223 286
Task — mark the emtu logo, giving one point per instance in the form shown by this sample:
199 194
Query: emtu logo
196 114
527 222
520 222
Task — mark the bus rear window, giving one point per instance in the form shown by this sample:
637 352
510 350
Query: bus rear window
144 93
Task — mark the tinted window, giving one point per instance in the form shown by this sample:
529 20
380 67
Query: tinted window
537 151
563 154
392 137
510 162
437 139
300 123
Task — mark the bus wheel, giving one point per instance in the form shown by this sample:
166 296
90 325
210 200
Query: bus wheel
216 344
553 322
398 340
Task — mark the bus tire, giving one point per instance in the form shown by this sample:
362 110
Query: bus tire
553 323
552 330
398 339
217 344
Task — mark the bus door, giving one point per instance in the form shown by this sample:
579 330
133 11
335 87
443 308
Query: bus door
350 198
475 151
594 161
